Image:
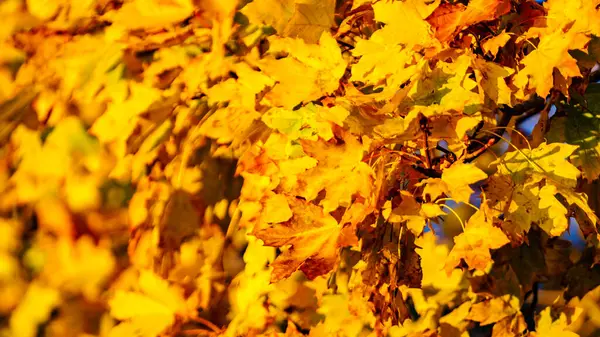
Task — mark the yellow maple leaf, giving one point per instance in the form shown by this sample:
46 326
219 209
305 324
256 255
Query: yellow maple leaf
411 212
455 182
556 222
148 14
376 65
493 44
495 309
277 209
249 289
552 52
310 19
547 326
61 11
458 177
305 19
149 311
309 122
491 78
581 15
406 17
432 253
474 244
34 309
445 87
533 202
274 13
121 117
309 72
549 160
345 314
340 171
70 163
79 267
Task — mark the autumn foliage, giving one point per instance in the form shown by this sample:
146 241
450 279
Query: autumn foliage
299 168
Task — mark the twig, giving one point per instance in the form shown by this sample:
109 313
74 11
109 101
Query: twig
449 154
206 322
424 127
197 332
528 310
431 173
475 149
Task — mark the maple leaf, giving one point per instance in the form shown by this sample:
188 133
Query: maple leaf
345 314
531 202
145 14
309 122
277 209
552 52
35 308
455 182
249 289
474 244
495 309
561 14
309 72
121 117
310 19
134 132
375 64
149 311
556 222
431 254
340 172
77 267
494 44
492 79
521 203
403 16
547 326
449 19
445 88
550 160
312 235
274 13
455 320
231 123
582 125
65 13
411 212
293 18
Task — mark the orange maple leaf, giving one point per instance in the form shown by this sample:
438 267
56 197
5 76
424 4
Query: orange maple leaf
449 19
313 236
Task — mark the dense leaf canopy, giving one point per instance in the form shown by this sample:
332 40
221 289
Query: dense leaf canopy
299 168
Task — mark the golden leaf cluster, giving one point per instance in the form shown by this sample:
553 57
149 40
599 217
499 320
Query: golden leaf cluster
299 168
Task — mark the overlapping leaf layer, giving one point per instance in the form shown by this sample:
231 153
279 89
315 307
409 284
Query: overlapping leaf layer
299 168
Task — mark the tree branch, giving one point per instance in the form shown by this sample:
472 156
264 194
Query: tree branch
478 146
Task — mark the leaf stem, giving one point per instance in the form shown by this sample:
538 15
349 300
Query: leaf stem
462 224
205 322
451 199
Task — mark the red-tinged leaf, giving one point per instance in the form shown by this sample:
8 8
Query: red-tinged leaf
312 235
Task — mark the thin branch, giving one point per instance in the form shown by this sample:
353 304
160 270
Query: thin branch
425 128
449 154
431 173
197 332
475 149
206 322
